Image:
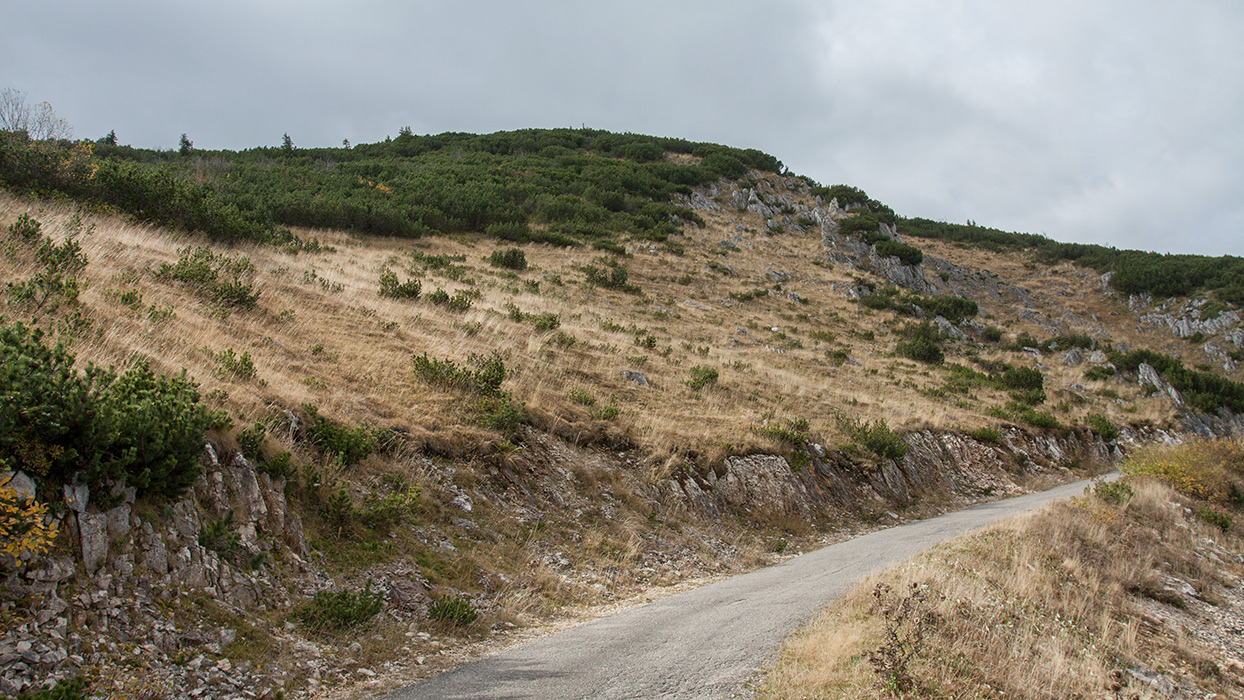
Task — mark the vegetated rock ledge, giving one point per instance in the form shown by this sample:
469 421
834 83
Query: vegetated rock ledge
135 592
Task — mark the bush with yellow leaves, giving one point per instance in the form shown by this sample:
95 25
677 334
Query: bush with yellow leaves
24 527
1208 469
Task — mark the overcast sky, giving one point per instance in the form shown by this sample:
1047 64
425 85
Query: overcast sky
1115 122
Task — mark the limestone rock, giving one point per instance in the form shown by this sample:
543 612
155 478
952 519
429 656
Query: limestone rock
1146 374
410 597
93 533
77 496
153 553
118 521
697 497
21 482
765 482
634 376
948 329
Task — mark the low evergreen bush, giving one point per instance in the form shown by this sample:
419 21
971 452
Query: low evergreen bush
510 259
455 610
392 288
349 445
875 436
701 376
331 612
136 428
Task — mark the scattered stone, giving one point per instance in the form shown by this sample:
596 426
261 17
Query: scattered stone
635 377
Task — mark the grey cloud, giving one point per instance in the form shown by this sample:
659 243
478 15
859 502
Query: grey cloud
1115 122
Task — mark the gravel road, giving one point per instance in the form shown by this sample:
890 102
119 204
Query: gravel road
704 643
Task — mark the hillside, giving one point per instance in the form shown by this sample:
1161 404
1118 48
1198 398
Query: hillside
458 384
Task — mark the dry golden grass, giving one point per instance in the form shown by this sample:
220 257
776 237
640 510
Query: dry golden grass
1043 606
321 334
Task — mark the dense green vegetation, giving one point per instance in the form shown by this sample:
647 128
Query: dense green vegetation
134 428
562 186
1204 391
1135 271
951 308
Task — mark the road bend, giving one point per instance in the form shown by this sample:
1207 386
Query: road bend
704 643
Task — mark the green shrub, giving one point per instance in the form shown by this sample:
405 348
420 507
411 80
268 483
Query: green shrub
701 376
350 445
607 412
510 259
951 308
1029 397
581 397
1037 419
645 340
57 268
278 466
221 278
988 433
391 288
906 254
517 231
1021 378
792 431
337 611
455 610
922 350
992 334
221 536
1214 516
382 513
612 276
440 297
1099 373
338 509
1204 391
875 436
500 412
251 439
545 322
1117 492
230 365
461 301
26 228
485 379
1103 427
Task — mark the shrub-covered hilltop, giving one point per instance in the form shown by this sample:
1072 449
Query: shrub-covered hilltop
459 383
561 186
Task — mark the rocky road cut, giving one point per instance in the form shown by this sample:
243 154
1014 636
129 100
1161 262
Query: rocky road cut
707 642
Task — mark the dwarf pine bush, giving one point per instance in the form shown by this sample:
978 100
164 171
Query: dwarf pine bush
137 427
875 436
337 611
510 259
390 286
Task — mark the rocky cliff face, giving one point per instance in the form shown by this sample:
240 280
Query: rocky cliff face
128 572
941 470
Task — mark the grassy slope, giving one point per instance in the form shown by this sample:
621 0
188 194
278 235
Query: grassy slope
320 326
1060 603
